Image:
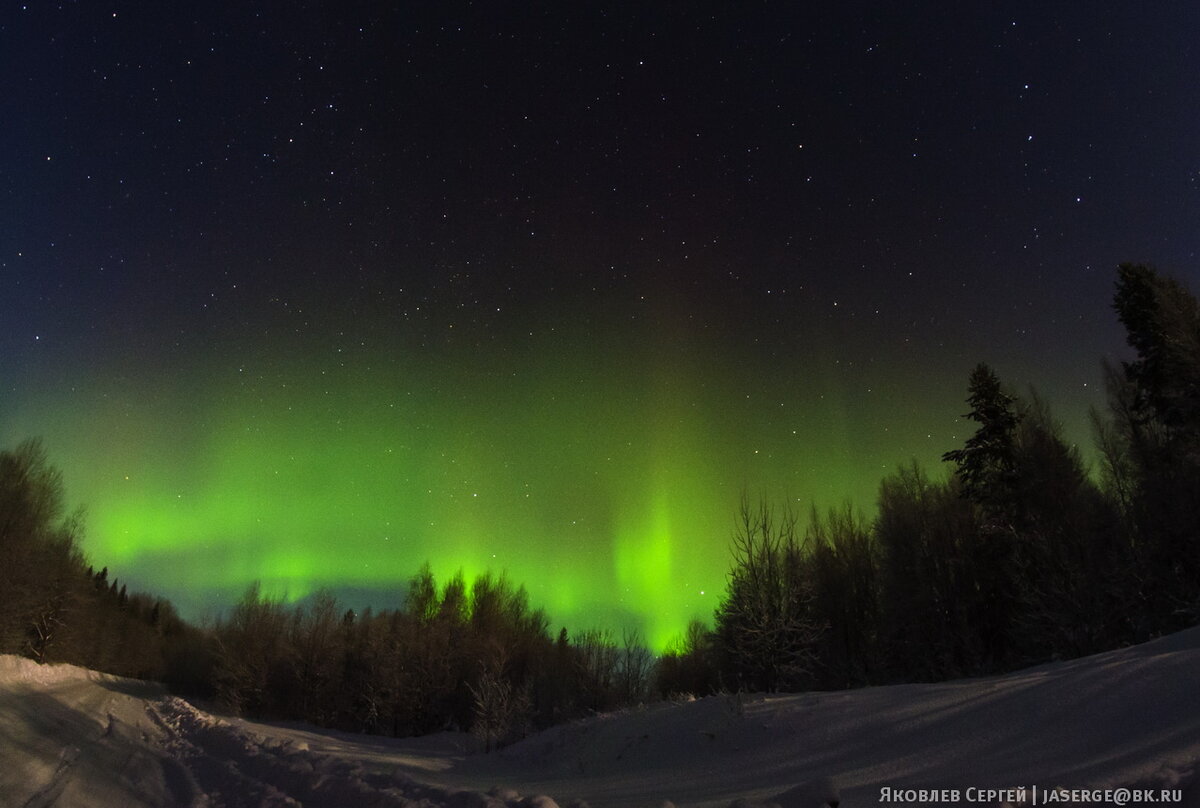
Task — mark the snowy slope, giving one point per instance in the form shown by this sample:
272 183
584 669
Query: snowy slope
70 737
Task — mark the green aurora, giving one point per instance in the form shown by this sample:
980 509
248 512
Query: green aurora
602 473
312 299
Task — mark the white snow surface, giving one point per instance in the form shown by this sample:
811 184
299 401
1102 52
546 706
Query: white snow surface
73 737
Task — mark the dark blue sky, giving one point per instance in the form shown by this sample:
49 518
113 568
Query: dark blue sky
195 199
1006 157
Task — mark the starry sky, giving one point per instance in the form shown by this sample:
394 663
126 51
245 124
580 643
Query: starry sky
310 293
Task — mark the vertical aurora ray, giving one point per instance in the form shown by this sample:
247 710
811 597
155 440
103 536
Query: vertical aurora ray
668 527
642 563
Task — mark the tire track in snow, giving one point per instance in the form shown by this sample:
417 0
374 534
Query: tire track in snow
48 794
234 769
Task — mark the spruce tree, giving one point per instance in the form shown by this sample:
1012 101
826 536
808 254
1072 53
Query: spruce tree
998 562
1162 324
1156 407
986 464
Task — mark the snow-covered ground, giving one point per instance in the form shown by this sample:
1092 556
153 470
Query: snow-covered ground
1128 718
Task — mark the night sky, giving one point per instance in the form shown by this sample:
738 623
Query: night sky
313 293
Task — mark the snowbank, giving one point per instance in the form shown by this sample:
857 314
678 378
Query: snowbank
1128 718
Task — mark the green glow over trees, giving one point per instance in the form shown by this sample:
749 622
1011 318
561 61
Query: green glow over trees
604 475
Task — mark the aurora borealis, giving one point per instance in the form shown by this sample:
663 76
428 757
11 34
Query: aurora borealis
311 297
603 477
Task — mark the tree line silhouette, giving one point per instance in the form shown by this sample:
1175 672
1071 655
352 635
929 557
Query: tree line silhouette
454 657
1020 554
